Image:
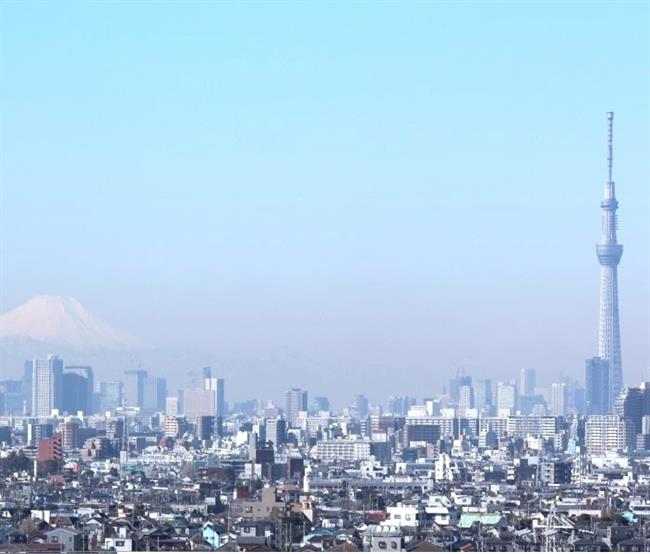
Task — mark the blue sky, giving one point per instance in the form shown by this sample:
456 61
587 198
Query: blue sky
373 187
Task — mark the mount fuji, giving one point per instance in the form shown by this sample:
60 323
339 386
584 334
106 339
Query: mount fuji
63 322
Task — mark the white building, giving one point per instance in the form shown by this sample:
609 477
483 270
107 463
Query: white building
347 450
558 399
47 386
506 399
604 433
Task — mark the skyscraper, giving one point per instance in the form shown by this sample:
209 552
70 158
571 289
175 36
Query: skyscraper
154 393
296 401
506 399
483 395
134 387
609 254
218 388
361 405
558 399
27 386
597 400
320 404
465 399
110 395
527 381
47 385
276 431
78 387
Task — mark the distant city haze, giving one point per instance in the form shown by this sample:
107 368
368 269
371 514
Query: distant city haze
338 197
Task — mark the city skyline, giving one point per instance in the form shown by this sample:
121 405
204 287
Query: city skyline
324 276
285 221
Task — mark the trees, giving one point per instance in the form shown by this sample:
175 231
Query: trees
15 462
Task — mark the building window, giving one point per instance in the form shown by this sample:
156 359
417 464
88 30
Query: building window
119 543
382 545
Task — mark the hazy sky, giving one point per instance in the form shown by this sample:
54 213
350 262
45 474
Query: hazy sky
387 191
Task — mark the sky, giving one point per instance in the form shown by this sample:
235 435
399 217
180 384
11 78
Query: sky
380 193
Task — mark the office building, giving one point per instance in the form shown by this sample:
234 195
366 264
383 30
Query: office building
527 381
320 404
276 431
197 403
558 399
361 405
154 393
28 372
296 402
47 386
483 398
110 395
134 387
78 388
506 399
465 400
597 399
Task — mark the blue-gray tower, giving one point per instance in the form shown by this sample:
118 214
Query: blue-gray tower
609 254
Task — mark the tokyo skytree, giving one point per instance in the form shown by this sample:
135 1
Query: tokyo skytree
609 254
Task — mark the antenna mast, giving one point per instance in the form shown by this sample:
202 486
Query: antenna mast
610 133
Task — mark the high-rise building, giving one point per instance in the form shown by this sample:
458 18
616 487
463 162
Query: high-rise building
457 382
171 406
218 386
197 403
154 393
399 405
47 385
134 387
110 395
220 400
483 400
361 405
276 431
609 255
37 431
28 373
527 381
558 399
296 401
597 399
465 399
12 392
78 387
506 399
320 404
205 427
70 433
605 433
633 404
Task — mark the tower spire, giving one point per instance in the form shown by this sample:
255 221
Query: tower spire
610 141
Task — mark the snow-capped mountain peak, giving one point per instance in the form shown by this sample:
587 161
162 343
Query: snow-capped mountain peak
62 320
